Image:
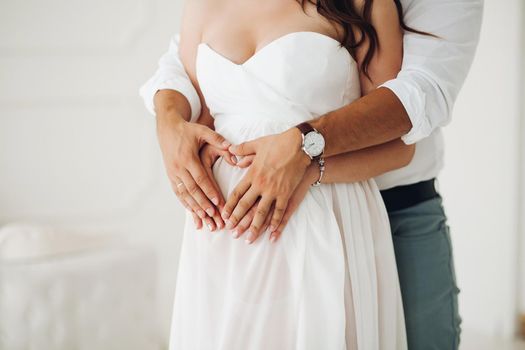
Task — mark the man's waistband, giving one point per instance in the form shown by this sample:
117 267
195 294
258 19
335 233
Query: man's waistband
401 197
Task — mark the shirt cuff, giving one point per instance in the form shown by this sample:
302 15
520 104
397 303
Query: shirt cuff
414 101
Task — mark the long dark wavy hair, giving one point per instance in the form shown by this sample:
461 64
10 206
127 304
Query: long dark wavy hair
345 13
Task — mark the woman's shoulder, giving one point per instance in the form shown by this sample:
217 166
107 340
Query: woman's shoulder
201 11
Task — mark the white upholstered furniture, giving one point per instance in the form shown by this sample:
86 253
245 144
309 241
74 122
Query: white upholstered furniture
69 291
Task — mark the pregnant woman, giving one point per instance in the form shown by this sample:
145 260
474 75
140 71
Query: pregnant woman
329 281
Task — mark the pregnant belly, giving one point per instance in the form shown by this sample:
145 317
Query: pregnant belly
227 176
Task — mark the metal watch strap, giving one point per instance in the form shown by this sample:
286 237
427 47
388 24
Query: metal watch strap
321 172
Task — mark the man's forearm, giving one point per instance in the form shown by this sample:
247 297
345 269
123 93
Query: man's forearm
374 119
171 104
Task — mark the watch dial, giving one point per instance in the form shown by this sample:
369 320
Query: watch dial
314 143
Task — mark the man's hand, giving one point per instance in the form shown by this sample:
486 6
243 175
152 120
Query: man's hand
311 175
278 167
180 142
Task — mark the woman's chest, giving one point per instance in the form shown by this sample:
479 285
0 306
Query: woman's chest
239 29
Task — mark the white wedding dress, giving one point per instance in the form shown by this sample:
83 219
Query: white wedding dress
330 282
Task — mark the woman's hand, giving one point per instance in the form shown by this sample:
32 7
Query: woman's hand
180 142
311 175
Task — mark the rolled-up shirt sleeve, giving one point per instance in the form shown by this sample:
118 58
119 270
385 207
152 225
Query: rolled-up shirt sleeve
434 69
170 74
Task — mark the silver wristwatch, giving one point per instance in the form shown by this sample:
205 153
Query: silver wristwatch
313 142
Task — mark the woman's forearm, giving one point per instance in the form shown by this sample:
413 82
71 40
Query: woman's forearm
364 164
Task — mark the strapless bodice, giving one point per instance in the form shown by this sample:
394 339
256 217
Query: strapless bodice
294 78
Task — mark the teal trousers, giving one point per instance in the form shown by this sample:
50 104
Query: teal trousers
426 272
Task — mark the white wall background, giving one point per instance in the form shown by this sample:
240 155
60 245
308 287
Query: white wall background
480 180
77 148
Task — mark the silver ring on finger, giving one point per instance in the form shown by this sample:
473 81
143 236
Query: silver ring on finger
180 188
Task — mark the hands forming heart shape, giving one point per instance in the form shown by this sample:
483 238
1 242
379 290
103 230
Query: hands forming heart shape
274 185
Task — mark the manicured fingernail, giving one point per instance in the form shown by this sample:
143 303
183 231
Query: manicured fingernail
273 239
226 144
215 200
210 227
229 224
249 237
225 215
210 211
235 234
234 159
201 213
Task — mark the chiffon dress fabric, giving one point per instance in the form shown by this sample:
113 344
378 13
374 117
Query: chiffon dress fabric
330 281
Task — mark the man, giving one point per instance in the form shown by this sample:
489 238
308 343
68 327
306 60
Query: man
413 107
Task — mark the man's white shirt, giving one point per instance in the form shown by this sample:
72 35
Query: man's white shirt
431 76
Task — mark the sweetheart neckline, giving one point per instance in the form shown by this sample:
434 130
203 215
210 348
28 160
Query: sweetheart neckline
269 45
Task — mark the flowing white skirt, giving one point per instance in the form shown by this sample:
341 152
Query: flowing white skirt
329 283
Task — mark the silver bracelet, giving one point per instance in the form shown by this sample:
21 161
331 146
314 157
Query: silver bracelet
321 172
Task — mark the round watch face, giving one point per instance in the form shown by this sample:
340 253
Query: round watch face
313 143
